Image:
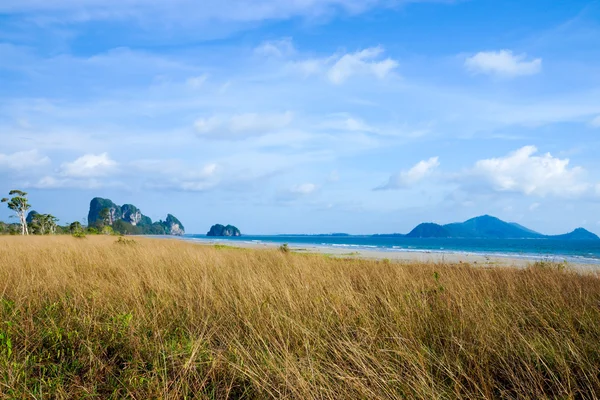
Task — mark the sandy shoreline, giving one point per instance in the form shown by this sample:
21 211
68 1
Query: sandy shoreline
404 256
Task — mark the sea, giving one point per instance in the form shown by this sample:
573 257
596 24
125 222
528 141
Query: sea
573 251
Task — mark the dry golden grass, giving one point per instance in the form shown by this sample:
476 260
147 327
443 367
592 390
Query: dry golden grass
167 319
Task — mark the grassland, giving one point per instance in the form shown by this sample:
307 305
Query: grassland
93 318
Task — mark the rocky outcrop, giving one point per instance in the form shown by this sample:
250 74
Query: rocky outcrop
130 213
220 230
128 219
174 226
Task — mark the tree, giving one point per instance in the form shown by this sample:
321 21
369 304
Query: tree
50 223
44 224
19 204
75 227
104 216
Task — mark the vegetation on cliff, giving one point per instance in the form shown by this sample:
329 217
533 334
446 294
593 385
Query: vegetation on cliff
128 219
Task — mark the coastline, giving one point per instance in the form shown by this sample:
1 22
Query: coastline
405 256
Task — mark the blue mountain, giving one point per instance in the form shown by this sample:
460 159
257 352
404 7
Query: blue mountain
488 227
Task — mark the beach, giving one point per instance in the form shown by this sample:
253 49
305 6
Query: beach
409 256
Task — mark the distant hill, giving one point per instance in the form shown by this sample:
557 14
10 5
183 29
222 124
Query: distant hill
428 230
577 234
488 227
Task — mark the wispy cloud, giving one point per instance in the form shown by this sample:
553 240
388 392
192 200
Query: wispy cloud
340 67
189 10
23 160
276 48
241 126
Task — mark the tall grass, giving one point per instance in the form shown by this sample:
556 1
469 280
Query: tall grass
167 319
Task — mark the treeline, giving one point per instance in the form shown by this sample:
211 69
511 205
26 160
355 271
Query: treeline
31 222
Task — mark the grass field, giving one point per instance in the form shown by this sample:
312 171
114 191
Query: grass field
97 318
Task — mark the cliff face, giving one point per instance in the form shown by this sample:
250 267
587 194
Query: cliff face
174 226
220 230
128 219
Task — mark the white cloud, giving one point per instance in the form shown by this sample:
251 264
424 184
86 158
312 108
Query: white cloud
23 160
503 63
51 182
88 166
303 189
197 81
334 176
240 126
534 206
175 169
522 171
177 175
186 10
276 48
348 123
417 173
361 62
338 68
595 123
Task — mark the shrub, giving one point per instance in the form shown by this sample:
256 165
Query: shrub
284 248
124 241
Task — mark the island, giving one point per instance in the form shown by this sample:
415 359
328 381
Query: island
221 230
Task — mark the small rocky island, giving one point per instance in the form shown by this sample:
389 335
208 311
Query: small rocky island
220 230
128 219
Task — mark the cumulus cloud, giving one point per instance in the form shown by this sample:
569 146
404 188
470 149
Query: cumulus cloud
338 68
240 126
522 171
416 174
23 160
88 166
503 63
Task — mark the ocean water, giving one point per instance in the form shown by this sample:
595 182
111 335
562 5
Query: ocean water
577 251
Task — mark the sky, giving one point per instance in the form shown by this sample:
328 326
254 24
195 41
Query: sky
305 116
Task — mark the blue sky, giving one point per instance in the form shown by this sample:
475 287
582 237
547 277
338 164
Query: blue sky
307 116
